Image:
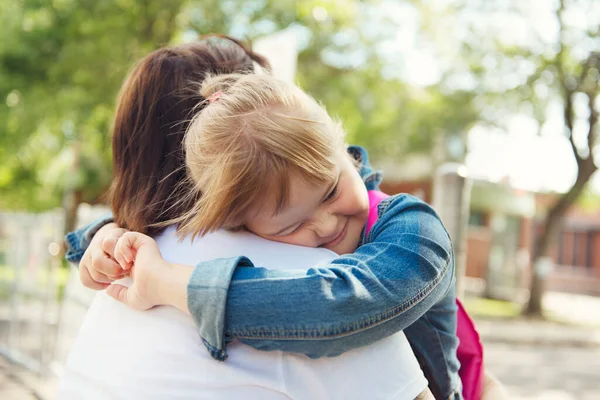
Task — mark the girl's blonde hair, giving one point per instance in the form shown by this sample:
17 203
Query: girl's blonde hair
244 145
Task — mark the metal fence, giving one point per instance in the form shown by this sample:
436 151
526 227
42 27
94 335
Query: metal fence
42 303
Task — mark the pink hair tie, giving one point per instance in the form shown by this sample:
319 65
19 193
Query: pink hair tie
215 96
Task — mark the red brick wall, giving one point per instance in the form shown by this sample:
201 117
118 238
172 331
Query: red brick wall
573 280
596 255
421 189
526 236
479 242
568 240
581 250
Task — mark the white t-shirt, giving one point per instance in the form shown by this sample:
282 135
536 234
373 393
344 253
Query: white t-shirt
121 353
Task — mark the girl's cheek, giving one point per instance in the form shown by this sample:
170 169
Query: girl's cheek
359 200
301 238
308 239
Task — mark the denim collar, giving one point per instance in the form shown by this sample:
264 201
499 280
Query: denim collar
370 177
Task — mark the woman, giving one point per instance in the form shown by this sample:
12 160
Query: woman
148 189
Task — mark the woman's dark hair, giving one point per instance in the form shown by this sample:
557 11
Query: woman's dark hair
152 116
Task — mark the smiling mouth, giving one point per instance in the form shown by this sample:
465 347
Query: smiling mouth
339 237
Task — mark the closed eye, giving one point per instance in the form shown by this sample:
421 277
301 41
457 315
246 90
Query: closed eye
331 194
296 229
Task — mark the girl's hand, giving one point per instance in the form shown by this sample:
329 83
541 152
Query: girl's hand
139 256
98 268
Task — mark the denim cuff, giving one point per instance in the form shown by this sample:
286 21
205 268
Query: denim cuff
78 241
207 300
72 240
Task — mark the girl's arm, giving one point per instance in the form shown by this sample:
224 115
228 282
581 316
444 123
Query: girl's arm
383 287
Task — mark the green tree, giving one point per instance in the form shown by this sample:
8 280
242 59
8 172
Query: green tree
61 65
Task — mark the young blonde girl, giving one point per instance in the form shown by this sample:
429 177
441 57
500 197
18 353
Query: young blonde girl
266 157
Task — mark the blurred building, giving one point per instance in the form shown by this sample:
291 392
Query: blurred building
504 226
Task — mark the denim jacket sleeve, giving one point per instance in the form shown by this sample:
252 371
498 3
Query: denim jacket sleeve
78 241
404 268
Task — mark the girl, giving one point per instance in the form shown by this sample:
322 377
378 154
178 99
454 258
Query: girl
158 355
267 158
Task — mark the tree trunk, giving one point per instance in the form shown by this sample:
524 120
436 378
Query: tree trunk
551 225
585 169
71 205
72 196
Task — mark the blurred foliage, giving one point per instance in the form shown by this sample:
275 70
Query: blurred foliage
62 63
525 71
481 307
589 201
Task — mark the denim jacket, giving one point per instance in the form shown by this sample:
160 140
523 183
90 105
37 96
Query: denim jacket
400 278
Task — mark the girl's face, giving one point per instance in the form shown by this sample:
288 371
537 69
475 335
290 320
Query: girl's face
330 215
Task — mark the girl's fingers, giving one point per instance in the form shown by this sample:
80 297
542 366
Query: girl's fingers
128 257
103 264
127 296
128 246
118 256
123 253
87 280
99 277
108 245
119 293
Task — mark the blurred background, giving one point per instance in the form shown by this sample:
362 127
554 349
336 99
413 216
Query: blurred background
486 109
